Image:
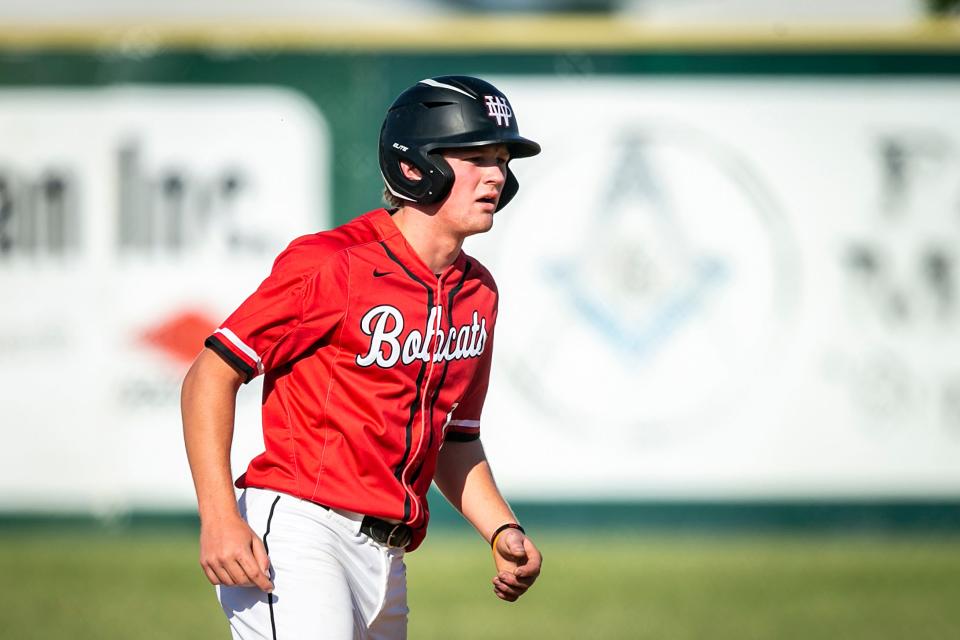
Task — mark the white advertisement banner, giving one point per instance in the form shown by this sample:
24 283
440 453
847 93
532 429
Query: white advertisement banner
729 288
132 221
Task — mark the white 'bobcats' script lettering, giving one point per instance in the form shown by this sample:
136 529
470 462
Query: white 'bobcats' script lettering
384 324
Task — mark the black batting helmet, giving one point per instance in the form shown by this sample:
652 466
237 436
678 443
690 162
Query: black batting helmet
446 112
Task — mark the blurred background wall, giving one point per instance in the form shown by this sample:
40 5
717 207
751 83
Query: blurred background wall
730 278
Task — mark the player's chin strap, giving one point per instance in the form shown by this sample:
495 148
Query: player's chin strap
501 529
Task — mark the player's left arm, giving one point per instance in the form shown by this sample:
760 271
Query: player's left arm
465 479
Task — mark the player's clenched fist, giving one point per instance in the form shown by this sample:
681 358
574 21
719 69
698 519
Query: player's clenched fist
518 564
231 554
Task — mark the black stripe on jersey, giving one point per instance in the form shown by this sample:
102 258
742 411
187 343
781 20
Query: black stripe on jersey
412 275
230 358
398 472
266 547
446 363
459 436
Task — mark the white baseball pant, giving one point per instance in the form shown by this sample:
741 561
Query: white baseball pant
331 582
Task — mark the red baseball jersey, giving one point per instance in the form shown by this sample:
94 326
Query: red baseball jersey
371 361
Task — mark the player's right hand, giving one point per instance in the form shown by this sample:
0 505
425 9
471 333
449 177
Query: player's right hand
231 554
518 563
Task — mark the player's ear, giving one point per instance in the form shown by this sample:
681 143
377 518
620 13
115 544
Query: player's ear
410 172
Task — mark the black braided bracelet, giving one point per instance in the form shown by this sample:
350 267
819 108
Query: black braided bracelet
504 527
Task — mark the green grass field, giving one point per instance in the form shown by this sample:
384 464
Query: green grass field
148 586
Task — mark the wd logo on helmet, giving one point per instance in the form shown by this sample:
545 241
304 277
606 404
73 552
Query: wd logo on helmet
499 109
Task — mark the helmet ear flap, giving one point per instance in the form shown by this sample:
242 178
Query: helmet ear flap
510 188
436 175
414 187
439 178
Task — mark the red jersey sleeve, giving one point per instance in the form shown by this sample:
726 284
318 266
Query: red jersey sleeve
464 422
297 307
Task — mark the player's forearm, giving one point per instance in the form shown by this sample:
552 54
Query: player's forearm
465 479
208 404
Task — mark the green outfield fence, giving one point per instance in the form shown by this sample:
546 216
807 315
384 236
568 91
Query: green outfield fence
740 517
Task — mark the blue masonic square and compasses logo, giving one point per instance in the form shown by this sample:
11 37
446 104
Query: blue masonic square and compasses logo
658 296
637 277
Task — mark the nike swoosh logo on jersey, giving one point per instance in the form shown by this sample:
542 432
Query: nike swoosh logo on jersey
380 274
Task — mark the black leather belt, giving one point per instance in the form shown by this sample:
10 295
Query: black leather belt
389 533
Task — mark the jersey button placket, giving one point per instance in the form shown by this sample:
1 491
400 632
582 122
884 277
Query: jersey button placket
434 350
425 393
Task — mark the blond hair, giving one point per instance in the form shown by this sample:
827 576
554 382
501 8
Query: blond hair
391 200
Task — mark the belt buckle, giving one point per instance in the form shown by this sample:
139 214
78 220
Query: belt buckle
399 527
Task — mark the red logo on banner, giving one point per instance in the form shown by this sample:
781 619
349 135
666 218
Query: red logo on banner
181 336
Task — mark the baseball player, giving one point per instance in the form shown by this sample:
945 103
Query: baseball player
375 340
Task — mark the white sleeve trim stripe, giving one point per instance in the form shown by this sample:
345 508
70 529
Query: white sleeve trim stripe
473 424
238 343
433 83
